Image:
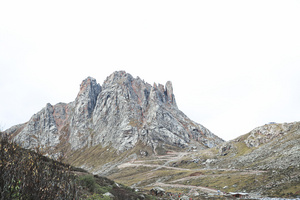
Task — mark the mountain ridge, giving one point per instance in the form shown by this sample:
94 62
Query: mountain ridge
120 113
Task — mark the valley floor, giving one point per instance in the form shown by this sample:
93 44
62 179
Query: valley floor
170 173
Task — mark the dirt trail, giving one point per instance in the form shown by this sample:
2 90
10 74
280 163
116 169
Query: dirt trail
170 157
204 189
173 157
150 165
214 175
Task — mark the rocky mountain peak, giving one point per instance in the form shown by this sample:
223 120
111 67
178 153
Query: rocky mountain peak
118 77
169 92
86 99
121 113
163 94
88 84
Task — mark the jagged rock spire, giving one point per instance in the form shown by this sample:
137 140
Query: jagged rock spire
170 95
86 99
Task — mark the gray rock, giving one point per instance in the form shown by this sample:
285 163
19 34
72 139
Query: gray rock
184 198
108 194
80 120
157 191
42 129
272 146
122 112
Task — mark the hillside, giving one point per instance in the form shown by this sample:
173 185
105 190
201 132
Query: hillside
264 162
25 174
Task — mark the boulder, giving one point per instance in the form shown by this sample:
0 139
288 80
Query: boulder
157 191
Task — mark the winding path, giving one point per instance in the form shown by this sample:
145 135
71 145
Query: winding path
204 189
172 157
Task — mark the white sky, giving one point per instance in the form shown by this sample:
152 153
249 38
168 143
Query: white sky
234 65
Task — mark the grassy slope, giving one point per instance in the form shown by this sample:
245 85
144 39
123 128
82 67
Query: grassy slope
93 158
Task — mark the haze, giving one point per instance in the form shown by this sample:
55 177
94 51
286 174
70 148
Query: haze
234 65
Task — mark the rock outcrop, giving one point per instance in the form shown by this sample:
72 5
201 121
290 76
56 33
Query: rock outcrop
42 130
124 111
271 146
266 133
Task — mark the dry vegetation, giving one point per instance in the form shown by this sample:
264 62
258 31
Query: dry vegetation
29 175
25 174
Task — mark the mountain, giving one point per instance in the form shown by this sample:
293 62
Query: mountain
123 113
134 133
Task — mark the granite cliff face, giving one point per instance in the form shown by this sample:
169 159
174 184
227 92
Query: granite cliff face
120 113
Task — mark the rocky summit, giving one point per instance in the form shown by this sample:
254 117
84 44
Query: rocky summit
122 112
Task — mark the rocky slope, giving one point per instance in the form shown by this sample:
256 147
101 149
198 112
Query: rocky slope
265 161
272 146
122 113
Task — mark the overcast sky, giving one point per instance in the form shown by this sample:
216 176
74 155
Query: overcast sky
234 65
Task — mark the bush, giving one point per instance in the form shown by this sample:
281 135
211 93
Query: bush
89 182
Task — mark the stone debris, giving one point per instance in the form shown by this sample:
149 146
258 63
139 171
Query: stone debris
157 191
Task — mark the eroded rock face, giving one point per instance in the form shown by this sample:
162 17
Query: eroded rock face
81 117
42 130
122 112
266 133
271 146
